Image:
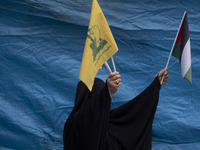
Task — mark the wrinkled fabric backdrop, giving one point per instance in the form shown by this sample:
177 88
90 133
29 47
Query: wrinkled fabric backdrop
41 48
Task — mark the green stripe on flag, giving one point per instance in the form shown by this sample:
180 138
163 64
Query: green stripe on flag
176 50
188 75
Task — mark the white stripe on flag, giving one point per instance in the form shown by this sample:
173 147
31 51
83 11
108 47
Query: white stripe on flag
186 59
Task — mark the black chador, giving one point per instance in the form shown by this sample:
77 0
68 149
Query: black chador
92 125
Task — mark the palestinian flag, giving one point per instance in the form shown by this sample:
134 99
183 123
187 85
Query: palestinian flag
182 49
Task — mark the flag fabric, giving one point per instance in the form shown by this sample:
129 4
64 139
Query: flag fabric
99 46
182 49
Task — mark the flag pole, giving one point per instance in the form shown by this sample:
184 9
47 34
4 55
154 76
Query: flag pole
173 47
113 63
107 67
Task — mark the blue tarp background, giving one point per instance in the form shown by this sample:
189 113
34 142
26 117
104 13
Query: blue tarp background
41 47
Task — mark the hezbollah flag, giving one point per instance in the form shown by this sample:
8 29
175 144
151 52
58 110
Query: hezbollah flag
182 49
99 46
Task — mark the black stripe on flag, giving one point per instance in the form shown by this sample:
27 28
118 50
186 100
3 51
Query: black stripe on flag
185 34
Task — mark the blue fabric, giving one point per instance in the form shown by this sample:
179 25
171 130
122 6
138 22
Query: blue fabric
41 47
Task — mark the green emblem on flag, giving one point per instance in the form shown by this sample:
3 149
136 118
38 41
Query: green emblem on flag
98 43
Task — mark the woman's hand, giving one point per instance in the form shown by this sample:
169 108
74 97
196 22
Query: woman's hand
113 83
160 75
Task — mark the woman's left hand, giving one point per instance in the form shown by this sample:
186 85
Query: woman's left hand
160 75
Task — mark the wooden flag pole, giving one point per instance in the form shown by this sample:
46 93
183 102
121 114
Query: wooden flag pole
172 47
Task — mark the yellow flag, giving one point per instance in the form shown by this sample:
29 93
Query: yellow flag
100 45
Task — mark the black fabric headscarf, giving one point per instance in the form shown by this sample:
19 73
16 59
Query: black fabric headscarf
93 126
